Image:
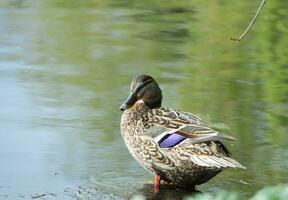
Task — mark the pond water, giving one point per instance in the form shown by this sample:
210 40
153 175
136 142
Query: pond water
66 66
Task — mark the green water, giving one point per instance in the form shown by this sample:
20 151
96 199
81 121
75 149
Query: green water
66 66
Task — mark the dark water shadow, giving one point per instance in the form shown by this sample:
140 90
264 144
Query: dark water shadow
166 192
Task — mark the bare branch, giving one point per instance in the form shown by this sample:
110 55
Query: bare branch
251 23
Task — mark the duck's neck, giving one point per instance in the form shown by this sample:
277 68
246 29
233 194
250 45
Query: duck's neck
139 107
132 117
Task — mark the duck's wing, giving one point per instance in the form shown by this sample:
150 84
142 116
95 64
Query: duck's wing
200 133
215 162
170 127
187 137
210 154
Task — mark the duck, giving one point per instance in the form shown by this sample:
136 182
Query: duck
177 147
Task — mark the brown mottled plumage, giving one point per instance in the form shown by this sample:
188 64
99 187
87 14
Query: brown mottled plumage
191 160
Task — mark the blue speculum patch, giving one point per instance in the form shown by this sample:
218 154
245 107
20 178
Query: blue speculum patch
170 140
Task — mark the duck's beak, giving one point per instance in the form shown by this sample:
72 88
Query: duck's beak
129 102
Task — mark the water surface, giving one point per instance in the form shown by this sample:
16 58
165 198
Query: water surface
66 66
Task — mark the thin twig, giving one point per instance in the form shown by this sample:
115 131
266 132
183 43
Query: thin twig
251 23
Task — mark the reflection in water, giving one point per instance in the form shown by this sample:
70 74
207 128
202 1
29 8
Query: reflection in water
66 67
166 192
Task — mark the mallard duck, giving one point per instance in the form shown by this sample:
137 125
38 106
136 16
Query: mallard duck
177 147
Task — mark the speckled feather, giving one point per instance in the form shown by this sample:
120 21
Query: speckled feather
187 163
177 146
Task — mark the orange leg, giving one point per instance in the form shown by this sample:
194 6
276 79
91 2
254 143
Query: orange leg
157 183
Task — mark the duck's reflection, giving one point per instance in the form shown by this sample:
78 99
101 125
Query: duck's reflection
166 192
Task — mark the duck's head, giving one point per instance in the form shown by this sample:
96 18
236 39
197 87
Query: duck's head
145 88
